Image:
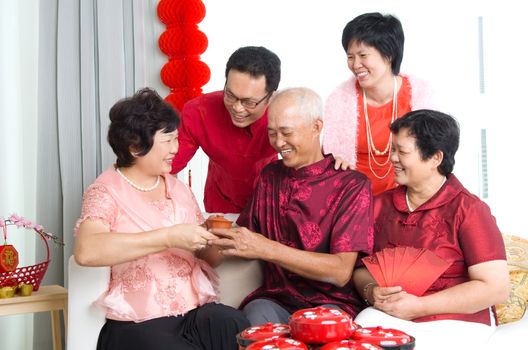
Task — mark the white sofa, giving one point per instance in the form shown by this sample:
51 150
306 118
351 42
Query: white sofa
237 279
510 335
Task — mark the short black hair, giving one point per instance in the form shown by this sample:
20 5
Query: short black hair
134 122
433 131
257 61
383 32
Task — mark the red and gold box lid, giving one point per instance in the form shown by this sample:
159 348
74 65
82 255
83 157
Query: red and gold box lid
321 325
265 331
349 344
278 344
387 338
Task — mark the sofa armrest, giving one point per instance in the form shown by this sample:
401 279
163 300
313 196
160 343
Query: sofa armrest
509 334
85 285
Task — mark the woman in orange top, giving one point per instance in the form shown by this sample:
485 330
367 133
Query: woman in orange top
358 113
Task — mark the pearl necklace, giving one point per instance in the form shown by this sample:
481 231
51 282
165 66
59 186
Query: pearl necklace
137 187
372 150
409 202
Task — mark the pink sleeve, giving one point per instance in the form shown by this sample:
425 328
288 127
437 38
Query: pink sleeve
340 122
97 205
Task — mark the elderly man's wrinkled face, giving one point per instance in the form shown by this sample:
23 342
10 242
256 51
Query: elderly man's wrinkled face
245 97
295 138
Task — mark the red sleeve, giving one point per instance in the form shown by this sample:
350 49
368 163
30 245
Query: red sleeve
188 145
353 228
479 236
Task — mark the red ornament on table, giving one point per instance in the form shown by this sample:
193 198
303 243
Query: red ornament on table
8 258
8 254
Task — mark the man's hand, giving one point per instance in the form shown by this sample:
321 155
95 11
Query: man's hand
240 242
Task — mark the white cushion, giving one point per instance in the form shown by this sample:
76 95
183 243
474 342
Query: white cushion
238 278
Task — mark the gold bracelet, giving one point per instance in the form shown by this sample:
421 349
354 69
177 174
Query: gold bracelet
365 292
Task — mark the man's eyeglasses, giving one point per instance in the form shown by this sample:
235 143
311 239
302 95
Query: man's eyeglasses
246 102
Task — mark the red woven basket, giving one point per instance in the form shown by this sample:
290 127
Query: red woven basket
32 274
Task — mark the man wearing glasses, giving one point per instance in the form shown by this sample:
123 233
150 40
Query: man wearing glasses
231 128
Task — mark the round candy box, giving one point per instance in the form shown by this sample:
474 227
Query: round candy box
217 221
349 344
266 331
386 338
321 325
278 344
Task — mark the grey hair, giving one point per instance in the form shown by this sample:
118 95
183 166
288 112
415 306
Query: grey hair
309 103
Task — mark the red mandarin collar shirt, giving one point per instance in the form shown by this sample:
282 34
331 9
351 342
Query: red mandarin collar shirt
454 224
236 155
318 209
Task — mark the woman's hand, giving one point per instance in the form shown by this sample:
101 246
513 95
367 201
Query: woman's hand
402 305
381 294
342 164
188 237
210 255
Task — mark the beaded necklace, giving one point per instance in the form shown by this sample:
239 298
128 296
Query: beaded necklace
137 187
372 150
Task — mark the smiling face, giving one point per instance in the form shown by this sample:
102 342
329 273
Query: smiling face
159 159
409 167
368 65
295 138
242 86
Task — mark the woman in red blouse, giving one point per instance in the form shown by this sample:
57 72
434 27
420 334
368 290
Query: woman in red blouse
431 209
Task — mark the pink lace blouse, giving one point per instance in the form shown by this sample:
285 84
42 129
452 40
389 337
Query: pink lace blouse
166 283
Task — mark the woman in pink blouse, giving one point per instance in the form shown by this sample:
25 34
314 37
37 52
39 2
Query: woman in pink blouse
431 209
145 224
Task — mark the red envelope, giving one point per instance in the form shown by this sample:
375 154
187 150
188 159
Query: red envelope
420 275
372 264
414 269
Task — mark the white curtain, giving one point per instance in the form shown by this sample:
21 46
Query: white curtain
91 54
18 110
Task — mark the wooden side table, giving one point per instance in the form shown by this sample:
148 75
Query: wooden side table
48 298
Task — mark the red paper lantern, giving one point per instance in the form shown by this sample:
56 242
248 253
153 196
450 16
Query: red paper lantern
181 11
184 40
187 72
178 97
8 258
183 43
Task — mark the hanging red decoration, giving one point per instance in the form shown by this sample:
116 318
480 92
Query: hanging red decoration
178 41
178 97
178 12
185 73
183 42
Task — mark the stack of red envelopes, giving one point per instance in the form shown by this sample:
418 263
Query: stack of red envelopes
414 269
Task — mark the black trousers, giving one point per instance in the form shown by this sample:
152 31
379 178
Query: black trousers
211 327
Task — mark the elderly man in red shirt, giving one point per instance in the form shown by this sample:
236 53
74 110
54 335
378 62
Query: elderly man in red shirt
231 128
306 221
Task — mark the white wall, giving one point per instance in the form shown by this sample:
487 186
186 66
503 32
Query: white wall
441 46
